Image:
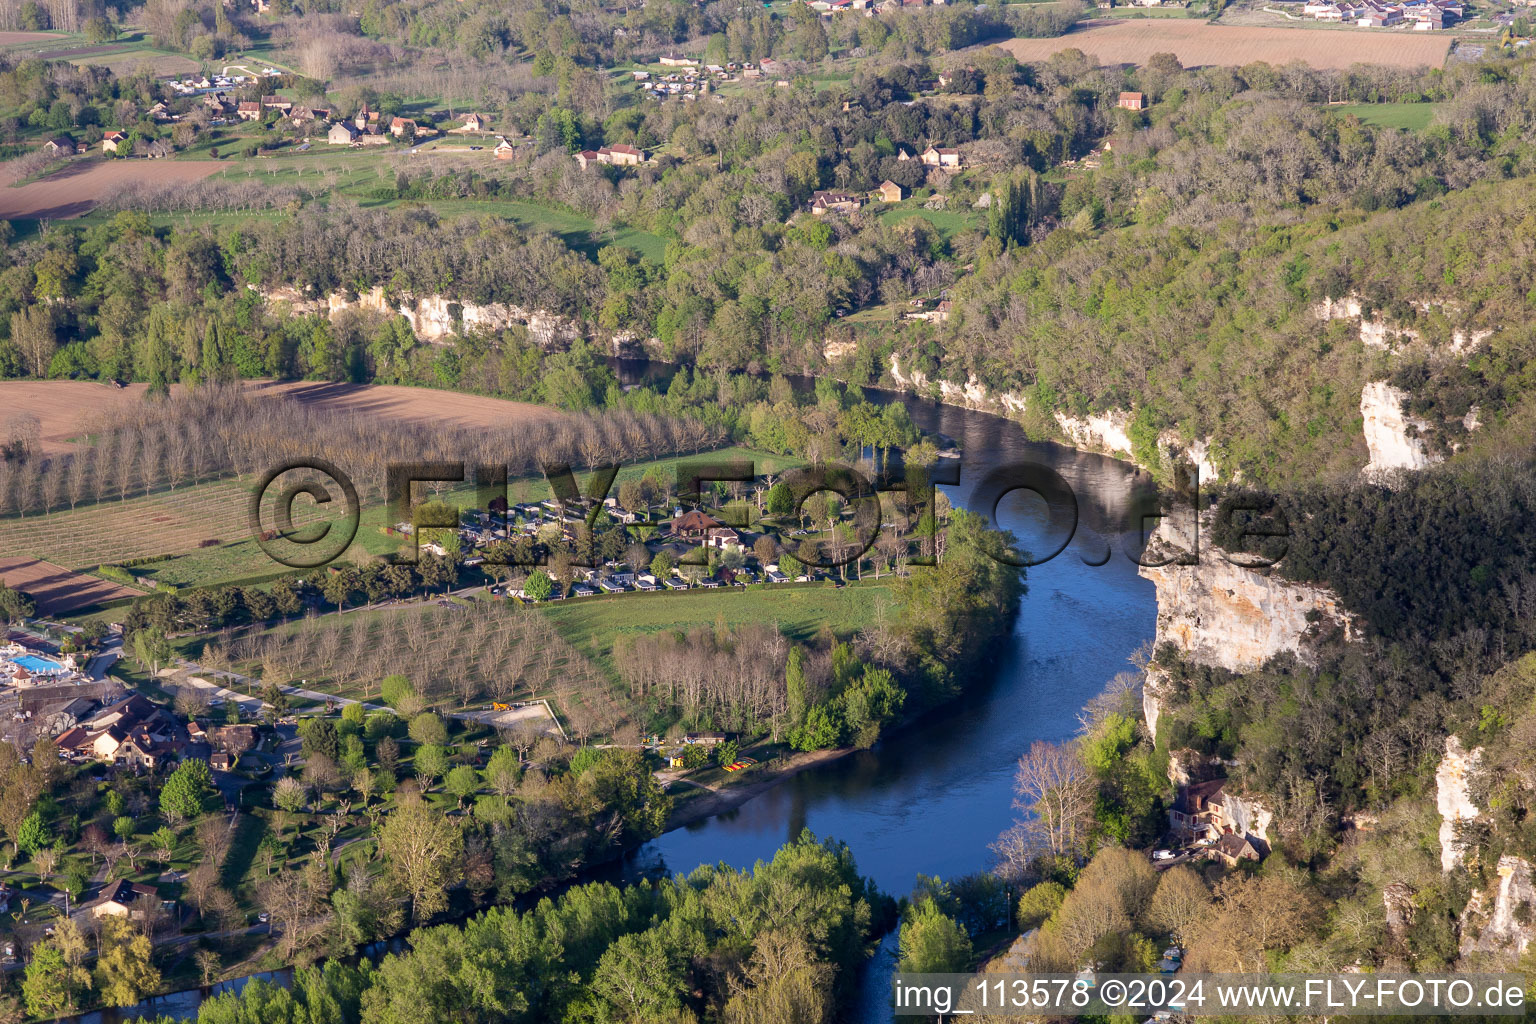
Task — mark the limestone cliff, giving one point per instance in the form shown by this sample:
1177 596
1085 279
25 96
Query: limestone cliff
1106 432
972 395
1217 612
1452 798
1378 333
1503 921
432 317
1394 439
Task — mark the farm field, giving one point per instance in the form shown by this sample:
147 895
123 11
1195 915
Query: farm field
1197 44
144 527
13 38
78 187
57 590
65 408
413 405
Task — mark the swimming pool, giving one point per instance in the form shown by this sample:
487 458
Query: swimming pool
32 663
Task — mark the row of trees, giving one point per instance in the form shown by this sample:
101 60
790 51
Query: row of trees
775 943
215 430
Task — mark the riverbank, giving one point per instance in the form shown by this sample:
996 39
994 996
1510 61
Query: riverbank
718 801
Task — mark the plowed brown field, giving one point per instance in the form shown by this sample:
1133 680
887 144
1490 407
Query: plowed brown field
1196 44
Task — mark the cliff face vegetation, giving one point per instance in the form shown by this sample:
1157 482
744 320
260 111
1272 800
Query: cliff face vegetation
1341 727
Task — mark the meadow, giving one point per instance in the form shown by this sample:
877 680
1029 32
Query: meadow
1414 117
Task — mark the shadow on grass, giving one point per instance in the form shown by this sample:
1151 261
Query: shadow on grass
242 851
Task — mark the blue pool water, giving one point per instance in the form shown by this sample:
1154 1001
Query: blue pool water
32 663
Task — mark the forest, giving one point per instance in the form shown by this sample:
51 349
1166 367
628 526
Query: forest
1127 287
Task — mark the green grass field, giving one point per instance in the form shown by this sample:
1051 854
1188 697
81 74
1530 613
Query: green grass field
591 624
1414 117
948 222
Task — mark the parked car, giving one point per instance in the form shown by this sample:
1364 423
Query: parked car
1162 855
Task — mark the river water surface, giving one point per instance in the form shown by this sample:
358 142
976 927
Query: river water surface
930 798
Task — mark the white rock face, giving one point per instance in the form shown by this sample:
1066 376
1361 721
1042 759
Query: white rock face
431 316
1382 335
1467 341
1379 334
1249 815
1107 432
1222 614
1498 929
972 395
1152 704
1387 431
832 351
1452 799
1337 309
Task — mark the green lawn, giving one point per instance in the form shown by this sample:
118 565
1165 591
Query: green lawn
1414 117
948 222
590 624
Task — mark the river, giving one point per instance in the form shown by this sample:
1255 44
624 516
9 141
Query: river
932 797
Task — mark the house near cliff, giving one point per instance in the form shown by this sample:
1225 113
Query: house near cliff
1195 811
1233 849
1207 811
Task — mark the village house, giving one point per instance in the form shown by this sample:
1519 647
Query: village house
1207 811
694 525
276 103
504 150
1197 808
133 731
234 740
1232 849
158 150
890 192
1132 101
249 110
473 123
618 156
1424 15
342 133
902 154
678 62
110 140
842 202
621 155
722 538
122 898
60 145
935 156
